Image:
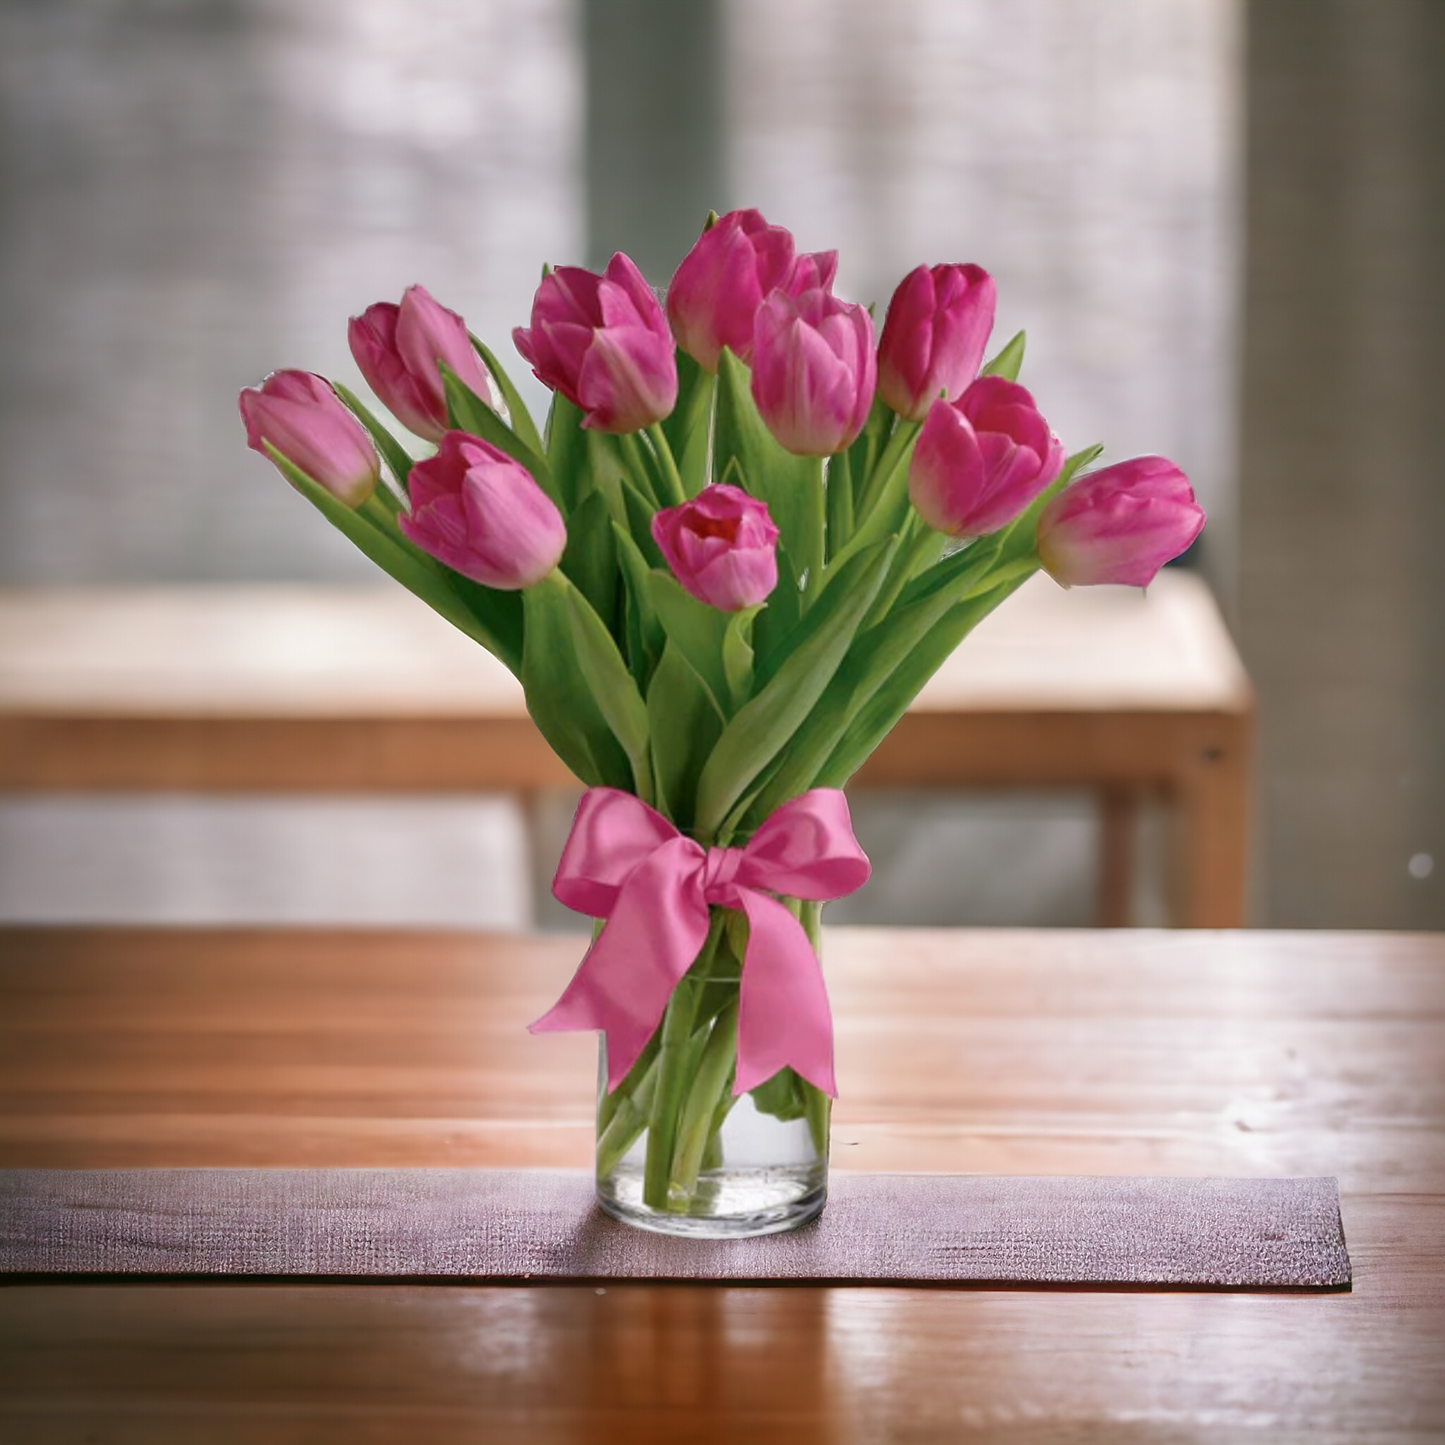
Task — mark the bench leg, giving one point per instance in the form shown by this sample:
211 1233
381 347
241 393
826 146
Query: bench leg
1211 851
1118 829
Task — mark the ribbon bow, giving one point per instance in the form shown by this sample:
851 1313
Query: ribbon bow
626 863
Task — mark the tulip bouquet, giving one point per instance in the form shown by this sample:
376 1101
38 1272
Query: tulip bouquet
744 539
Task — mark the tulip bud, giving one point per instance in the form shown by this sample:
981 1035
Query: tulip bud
397 349
717 289
1120 524
722 546
603 342
481 513
300 415
934 336
980 460
814 370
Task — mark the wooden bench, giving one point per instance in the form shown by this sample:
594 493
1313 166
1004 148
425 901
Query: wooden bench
264 689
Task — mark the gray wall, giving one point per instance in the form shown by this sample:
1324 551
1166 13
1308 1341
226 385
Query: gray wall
195 192
1342 483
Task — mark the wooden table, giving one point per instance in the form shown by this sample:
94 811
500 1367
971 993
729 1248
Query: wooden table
1001 1052
286 689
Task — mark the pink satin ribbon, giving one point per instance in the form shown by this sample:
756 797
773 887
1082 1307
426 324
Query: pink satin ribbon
626 863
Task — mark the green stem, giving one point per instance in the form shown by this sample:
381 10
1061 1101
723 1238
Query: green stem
839 498
628 1121
719 1118
642 473
921 548
382 507
817 1104
885 492
892 455
818 1108
714 1070
667 466
809 558
612 1101
672 1075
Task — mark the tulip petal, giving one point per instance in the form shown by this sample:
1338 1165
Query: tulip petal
721 546
300 417
1119 524
481 513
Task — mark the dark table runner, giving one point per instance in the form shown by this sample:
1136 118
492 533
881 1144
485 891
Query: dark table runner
543 1224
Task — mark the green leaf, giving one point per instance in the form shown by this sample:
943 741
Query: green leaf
417 572
397 458
668 485
881 504
688 426
1074 465
568 451
611 686
876 718
501 613
645 637
839 490
684 722
638 466
697 629
605 472
522 423
564 709
469 413
791 486
894 660
778 618
864 453
781 1096
737 651
1008 362
758 731
889 664
639 512
590 560
1019 538
609 470
959 568
871 662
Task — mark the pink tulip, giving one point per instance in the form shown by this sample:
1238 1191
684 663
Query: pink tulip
483 515
814 370
397 349
980 460
1120 524
722 546
300 415
603 342
716 291
934 336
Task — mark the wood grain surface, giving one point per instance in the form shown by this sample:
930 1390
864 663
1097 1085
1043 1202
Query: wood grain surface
996 1052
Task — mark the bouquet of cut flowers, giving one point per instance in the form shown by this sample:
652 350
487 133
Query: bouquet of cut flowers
744 539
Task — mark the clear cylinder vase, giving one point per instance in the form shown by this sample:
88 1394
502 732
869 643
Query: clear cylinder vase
677 1151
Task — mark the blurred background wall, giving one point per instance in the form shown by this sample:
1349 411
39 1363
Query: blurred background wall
195 191
1342 473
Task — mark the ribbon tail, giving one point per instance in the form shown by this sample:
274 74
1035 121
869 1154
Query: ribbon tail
783 1014
657 927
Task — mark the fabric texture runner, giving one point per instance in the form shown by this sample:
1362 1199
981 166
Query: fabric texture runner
516 1225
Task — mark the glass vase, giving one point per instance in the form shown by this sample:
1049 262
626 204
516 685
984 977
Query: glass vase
677 1151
